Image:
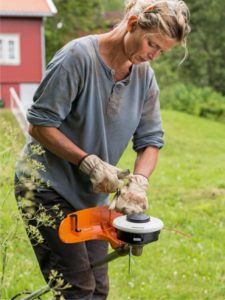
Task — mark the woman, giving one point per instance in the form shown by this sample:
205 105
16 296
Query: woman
98 92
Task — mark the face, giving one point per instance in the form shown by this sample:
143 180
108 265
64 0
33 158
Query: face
140 46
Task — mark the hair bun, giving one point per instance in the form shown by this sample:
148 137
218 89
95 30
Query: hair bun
129 4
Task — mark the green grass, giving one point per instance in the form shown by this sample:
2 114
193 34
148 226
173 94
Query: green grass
187 191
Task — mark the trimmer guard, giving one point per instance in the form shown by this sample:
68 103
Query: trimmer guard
90 224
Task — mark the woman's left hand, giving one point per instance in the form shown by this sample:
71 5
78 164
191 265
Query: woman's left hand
132 198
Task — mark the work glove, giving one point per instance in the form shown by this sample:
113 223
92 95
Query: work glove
132 198
104 177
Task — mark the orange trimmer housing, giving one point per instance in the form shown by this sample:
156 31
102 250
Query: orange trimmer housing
90 224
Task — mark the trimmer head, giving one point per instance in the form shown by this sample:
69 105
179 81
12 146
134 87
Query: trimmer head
137 230
138 223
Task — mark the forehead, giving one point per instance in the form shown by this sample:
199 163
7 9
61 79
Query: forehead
163 41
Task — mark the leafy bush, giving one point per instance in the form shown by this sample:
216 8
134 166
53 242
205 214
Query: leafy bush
1 103
204 102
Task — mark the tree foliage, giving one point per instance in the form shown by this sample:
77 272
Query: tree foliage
74 18
206 63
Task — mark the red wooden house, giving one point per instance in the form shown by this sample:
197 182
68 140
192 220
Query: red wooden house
22 47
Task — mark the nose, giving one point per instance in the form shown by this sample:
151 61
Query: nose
154 54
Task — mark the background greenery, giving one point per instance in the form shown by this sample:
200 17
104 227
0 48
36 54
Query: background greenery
187 191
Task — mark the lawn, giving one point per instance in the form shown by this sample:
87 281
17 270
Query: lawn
187 191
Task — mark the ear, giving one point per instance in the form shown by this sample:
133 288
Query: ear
131 23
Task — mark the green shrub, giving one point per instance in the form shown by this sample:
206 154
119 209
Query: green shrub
204 102
1 103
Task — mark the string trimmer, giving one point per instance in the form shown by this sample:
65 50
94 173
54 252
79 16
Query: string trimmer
126 234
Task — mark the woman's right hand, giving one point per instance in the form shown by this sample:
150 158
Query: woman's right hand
104 177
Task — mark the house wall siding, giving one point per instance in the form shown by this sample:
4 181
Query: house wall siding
30 68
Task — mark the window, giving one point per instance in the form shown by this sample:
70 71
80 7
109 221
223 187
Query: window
9 49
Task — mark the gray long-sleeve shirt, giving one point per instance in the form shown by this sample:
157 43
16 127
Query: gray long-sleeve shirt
80 97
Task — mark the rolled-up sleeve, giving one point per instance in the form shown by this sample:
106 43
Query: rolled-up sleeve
149 131
54 98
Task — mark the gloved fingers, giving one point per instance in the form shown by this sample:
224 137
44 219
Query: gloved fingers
123 174
88 163
127 202
105 178
121 184
106 184
128 210
138 201
114 200
112 204
139 181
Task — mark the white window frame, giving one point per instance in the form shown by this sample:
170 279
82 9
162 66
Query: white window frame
5 59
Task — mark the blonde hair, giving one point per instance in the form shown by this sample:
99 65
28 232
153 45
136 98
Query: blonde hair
170 17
